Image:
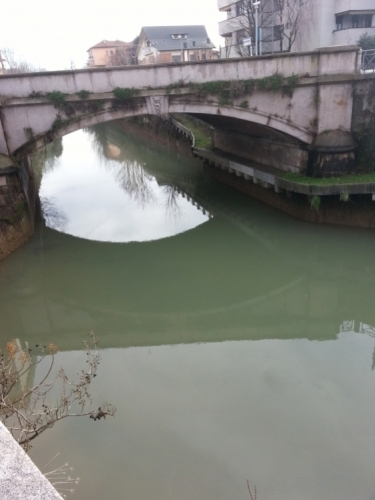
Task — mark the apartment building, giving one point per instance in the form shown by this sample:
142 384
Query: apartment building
164 44
292 25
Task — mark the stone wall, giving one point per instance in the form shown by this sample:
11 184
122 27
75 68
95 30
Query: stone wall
16 224
363 123
287 156
359 213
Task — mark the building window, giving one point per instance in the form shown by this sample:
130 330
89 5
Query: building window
176 58
339 22
368 20
192 57
204 57
241 34
240 9
355 19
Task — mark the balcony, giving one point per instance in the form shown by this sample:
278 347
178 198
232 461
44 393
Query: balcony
230 26
224 4
350 36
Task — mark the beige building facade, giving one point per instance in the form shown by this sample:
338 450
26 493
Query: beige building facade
110 53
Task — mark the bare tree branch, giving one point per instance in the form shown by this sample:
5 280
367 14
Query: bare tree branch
14 65
28 411
280 22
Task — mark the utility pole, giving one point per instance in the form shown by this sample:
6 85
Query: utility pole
256 6
273 28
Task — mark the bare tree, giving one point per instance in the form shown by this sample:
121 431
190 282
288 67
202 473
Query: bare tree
280 22
124 55
243 23
27 408
121 56
296 18
12 65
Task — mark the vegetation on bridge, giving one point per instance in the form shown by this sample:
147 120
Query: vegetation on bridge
124 95
228 90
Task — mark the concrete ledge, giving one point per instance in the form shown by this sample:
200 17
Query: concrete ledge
20 479
256 172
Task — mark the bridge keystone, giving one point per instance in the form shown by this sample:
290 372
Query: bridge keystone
157 105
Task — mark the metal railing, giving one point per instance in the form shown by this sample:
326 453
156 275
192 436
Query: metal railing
368 61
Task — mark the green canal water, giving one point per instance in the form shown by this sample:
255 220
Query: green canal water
236 342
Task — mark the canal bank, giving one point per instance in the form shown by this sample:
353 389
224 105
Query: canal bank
16 218
323 201
343 201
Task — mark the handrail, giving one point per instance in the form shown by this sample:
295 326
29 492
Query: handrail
368 61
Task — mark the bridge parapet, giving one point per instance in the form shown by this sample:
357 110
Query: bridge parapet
324 61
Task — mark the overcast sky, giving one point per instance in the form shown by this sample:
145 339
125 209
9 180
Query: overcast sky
53 34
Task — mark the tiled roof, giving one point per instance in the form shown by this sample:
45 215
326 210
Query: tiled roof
110 43
161 37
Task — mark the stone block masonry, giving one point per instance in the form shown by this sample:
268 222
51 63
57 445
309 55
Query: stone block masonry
20 479
16 226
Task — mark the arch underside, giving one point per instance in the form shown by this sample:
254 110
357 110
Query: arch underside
225 118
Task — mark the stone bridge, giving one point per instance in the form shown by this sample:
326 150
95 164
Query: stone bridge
292 111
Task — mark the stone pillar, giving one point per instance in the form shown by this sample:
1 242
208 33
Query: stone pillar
333 150
332 153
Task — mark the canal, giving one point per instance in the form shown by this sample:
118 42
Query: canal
236 342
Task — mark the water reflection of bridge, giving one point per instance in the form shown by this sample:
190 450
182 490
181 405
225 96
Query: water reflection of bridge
281 278
240 303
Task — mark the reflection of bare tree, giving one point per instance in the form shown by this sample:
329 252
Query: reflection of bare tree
54 217
45 159
99 141
174 211
130 174
135 181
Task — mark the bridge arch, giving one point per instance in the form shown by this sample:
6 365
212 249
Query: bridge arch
281 125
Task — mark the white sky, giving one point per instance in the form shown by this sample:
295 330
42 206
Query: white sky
51 34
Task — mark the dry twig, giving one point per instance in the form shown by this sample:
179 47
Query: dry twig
28 411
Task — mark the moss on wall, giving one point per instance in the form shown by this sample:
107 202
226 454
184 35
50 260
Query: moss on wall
363 124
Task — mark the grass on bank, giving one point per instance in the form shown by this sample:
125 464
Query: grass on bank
201 130
329 181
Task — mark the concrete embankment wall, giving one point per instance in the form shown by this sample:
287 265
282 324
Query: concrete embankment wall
358 211
16 211
288 156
